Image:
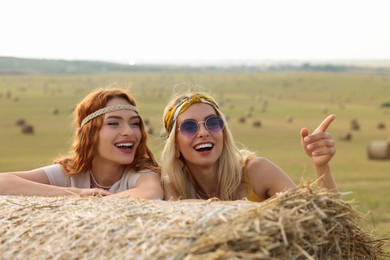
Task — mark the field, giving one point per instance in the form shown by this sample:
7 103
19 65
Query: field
270 97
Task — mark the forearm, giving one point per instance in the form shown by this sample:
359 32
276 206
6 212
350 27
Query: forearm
325 178
14 185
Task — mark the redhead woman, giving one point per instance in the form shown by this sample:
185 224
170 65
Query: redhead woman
110 156
201 160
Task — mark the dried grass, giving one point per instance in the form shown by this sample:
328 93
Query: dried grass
298 224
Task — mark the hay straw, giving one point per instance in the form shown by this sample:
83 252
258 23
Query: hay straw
298 224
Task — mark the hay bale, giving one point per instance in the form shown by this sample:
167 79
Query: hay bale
298 224
355 125
381 126
27 129
242 120
55 111
289 119
146 122
150 130
346 136
257 123
379 150
20 122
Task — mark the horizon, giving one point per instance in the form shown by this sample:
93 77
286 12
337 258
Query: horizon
225 63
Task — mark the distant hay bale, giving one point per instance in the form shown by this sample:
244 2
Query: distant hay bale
379 150
242 120
8 95
301 223
150 130
20 122
381 126
289 119
55 111
346 136
355 124
27 129
257 123
146 122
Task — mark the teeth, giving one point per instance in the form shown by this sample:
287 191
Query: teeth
200 146
125 145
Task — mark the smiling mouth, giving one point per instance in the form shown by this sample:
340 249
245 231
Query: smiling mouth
204 147
125 146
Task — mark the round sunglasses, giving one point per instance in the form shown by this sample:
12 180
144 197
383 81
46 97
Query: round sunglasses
190 127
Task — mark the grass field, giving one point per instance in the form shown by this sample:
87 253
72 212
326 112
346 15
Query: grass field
266 96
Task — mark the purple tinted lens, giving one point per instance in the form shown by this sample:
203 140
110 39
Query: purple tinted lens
214 124
189 128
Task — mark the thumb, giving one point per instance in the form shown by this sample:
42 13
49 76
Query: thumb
304 133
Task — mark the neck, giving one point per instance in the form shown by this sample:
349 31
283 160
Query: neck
206 181
106 175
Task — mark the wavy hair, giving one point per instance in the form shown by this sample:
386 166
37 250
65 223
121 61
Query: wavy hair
230 162
87 136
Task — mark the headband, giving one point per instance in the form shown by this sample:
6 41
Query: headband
182 105
105 110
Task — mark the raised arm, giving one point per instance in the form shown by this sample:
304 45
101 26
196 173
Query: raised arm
36 183
320 147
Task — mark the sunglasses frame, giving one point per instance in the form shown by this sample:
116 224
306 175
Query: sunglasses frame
198 125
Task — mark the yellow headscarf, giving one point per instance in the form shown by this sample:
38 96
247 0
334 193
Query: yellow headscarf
182 105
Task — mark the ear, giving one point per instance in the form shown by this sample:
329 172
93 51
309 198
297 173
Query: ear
177 152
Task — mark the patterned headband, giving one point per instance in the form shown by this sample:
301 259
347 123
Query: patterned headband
105 110
182 105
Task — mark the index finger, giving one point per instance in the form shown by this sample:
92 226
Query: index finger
325 124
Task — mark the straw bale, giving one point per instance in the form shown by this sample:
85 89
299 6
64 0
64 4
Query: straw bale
379 150
301 223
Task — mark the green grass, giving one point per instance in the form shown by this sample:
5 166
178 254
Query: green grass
307 97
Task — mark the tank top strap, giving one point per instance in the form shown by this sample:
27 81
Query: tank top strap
252 196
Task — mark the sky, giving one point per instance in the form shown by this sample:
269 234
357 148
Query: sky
181 31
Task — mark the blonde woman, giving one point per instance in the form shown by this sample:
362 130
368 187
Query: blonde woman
200 159
110 156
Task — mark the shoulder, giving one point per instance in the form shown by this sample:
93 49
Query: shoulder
263 167
260 164
53 169
266 177
145 174
56 175
142 177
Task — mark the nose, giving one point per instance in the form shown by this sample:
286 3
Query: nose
202 131
126 130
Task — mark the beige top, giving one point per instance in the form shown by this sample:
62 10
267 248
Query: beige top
57 177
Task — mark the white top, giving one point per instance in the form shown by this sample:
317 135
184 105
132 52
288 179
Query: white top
57 177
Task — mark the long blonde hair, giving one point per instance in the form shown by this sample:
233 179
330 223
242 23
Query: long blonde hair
230 163
86 137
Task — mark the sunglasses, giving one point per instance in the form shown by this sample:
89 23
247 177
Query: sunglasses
190 127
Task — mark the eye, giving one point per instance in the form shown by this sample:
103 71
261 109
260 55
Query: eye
112 123
135 124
